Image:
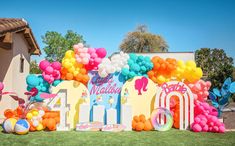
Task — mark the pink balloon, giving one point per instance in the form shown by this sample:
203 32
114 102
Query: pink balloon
1 86
197 128
221 129
49 70
56 65
101 52
46 77
205 128
98 60
91 50
94 55
44 64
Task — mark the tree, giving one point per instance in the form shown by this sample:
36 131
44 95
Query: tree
34 68
57 45
141 40
216 65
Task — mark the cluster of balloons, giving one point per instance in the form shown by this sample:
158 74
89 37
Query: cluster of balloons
114 64
138 66
50 71
175 111
140 123
50 119
188 71
72 70
81 53
96 56
200 89
34 117
205 119
39 84
162 69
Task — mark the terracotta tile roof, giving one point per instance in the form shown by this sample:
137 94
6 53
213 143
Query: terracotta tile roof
12 25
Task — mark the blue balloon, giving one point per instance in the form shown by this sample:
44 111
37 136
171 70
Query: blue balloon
56 82
125 71
32 80
133 56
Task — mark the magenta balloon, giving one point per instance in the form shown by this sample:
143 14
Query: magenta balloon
197 128
49 70
44 64
101 52
56 65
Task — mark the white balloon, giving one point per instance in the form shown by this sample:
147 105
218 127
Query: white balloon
35 123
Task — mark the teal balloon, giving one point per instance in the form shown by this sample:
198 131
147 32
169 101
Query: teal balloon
143 68
133 56
56 82
125 71
132 74
43 89
32 80
130 62
140 58
135 67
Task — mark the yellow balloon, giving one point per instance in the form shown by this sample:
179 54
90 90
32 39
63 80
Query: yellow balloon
39 127
191 64
71 69
180 63
35 113
161 79
69 54
29 116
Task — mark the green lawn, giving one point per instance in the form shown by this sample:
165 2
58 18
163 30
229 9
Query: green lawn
172 137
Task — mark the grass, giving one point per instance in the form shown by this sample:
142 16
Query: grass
173 137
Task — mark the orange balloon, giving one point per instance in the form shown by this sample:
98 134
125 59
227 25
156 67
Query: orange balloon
176 124
134 124
57 119
150 74
8 113
139 126
63 71
136 118
86 78
69 76
44 123
51 124
83 71
79 77
142 118
148 126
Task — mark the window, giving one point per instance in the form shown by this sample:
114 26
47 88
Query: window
21 65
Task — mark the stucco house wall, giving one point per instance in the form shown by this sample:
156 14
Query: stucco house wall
13 79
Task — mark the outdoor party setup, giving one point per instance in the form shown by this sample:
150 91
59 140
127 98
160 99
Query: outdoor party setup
89 91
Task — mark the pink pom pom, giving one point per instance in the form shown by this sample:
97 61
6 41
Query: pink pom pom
44 64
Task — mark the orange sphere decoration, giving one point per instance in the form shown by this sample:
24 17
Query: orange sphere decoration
139 126
51 124
142 118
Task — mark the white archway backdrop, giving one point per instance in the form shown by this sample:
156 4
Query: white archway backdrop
186 102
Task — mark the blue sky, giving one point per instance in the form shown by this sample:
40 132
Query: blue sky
185 25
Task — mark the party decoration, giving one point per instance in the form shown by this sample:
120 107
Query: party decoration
200 89
50 71
34 117
72 70
9 125
50 119
206 119
187 71
37 85
141 84
140 123
22 127
138 66
114 64
96 56
105 91
89 126
81 53
186 101
162 69
113 128
169 119
220 98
